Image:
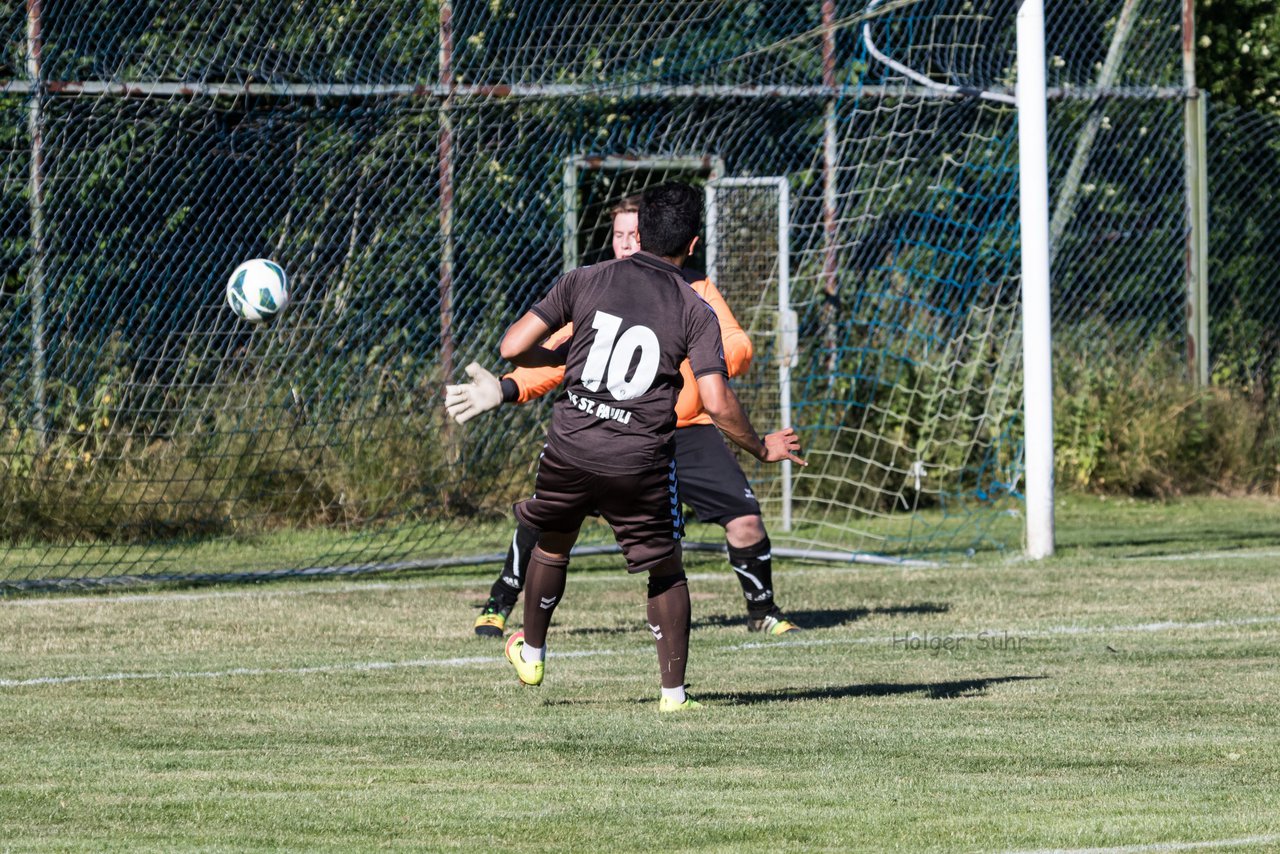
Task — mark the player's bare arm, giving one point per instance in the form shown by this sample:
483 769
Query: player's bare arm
521 345
727 413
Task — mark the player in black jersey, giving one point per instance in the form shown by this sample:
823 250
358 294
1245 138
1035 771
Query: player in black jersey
711 480
609 446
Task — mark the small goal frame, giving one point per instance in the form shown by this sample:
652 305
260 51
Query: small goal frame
788 355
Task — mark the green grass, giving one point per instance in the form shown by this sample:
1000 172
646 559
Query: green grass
1122 693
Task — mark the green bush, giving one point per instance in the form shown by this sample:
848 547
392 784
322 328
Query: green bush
1131 423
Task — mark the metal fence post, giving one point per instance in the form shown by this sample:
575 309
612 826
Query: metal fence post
1197 190
36 275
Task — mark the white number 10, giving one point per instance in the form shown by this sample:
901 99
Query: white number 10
605 356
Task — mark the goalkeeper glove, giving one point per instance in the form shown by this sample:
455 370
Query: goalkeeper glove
468 400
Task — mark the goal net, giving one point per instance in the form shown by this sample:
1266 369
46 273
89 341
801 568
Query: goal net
406 164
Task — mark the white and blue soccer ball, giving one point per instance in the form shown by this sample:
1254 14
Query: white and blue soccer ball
258 290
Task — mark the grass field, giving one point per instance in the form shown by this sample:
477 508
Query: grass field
1122 695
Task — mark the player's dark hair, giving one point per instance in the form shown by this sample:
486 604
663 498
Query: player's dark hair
670 217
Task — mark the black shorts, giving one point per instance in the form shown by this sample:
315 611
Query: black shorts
711 481
643 509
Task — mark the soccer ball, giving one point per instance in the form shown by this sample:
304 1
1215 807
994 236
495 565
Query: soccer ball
258 290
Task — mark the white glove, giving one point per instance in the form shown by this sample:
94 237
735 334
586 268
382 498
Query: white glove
468 400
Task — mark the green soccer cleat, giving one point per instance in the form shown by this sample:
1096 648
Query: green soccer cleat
492 620
529 672
772 623
666 704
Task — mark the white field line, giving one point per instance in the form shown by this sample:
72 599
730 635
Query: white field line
1055 631
1231 555
360 667
356 667
1161 846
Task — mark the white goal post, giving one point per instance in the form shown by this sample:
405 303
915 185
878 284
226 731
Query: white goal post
1037 341
1031 100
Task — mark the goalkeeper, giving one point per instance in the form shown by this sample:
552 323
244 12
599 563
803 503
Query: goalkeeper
711 481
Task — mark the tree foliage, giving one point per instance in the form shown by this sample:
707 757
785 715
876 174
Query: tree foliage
1238 52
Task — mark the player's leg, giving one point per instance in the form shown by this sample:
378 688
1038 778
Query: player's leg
644 512
562 496
506 588
714 485
751 557
668 613
548 570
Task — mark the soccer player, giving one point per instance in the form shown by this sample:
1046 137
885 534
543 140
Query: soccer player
711 481
609 446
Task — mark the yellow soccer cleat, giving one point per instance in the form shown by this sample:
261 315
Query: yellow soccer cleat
529 672
772 623
492 621
666 704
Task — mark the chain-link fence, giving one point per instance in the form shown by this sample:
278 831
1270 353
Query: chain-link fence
1244 258
424 170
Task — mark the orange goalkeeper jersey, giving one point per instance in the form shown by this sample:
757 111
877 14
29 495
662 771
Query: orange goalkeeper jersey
535 382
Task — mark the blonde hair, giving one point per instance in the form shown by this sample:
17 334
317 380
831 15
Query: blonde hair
629 204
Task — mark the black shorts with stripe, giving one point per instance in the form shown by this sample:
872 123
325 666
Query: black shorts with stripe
643 509
711 481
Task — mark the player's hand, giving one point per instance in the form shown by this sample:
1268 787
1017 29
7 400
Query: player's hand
467 400
783 445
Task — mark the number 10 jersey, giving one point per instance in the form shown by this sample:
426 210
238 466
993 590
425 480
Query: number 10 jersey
634 320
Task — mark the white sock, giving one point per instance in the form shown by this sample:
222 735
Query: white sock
676 693
532 654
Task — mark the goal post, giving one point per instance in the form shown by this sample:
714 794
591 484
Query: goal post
1037 346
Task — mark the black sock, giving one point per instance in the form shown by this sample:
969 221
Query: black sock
506 589
754 567
546 587
668 615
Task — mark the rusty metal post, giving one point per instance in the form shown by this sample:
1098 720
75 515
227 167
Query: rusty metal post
36 272
1197 205
445 153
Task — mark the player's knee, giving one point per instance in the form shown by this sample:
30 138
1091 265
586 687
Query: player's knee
559 560
557 542
744 531
659 584
526 537
750 553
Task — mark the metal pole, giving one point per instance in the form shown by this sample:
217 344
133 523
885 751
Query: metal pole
711 230
829 228
1195 155
790 335
499 92
1037 348
445 150
569 191
36 275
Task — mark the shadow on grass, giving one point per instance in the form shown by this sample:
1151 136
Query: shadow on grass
807 619
827 618
953 690
932 690
1160 543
